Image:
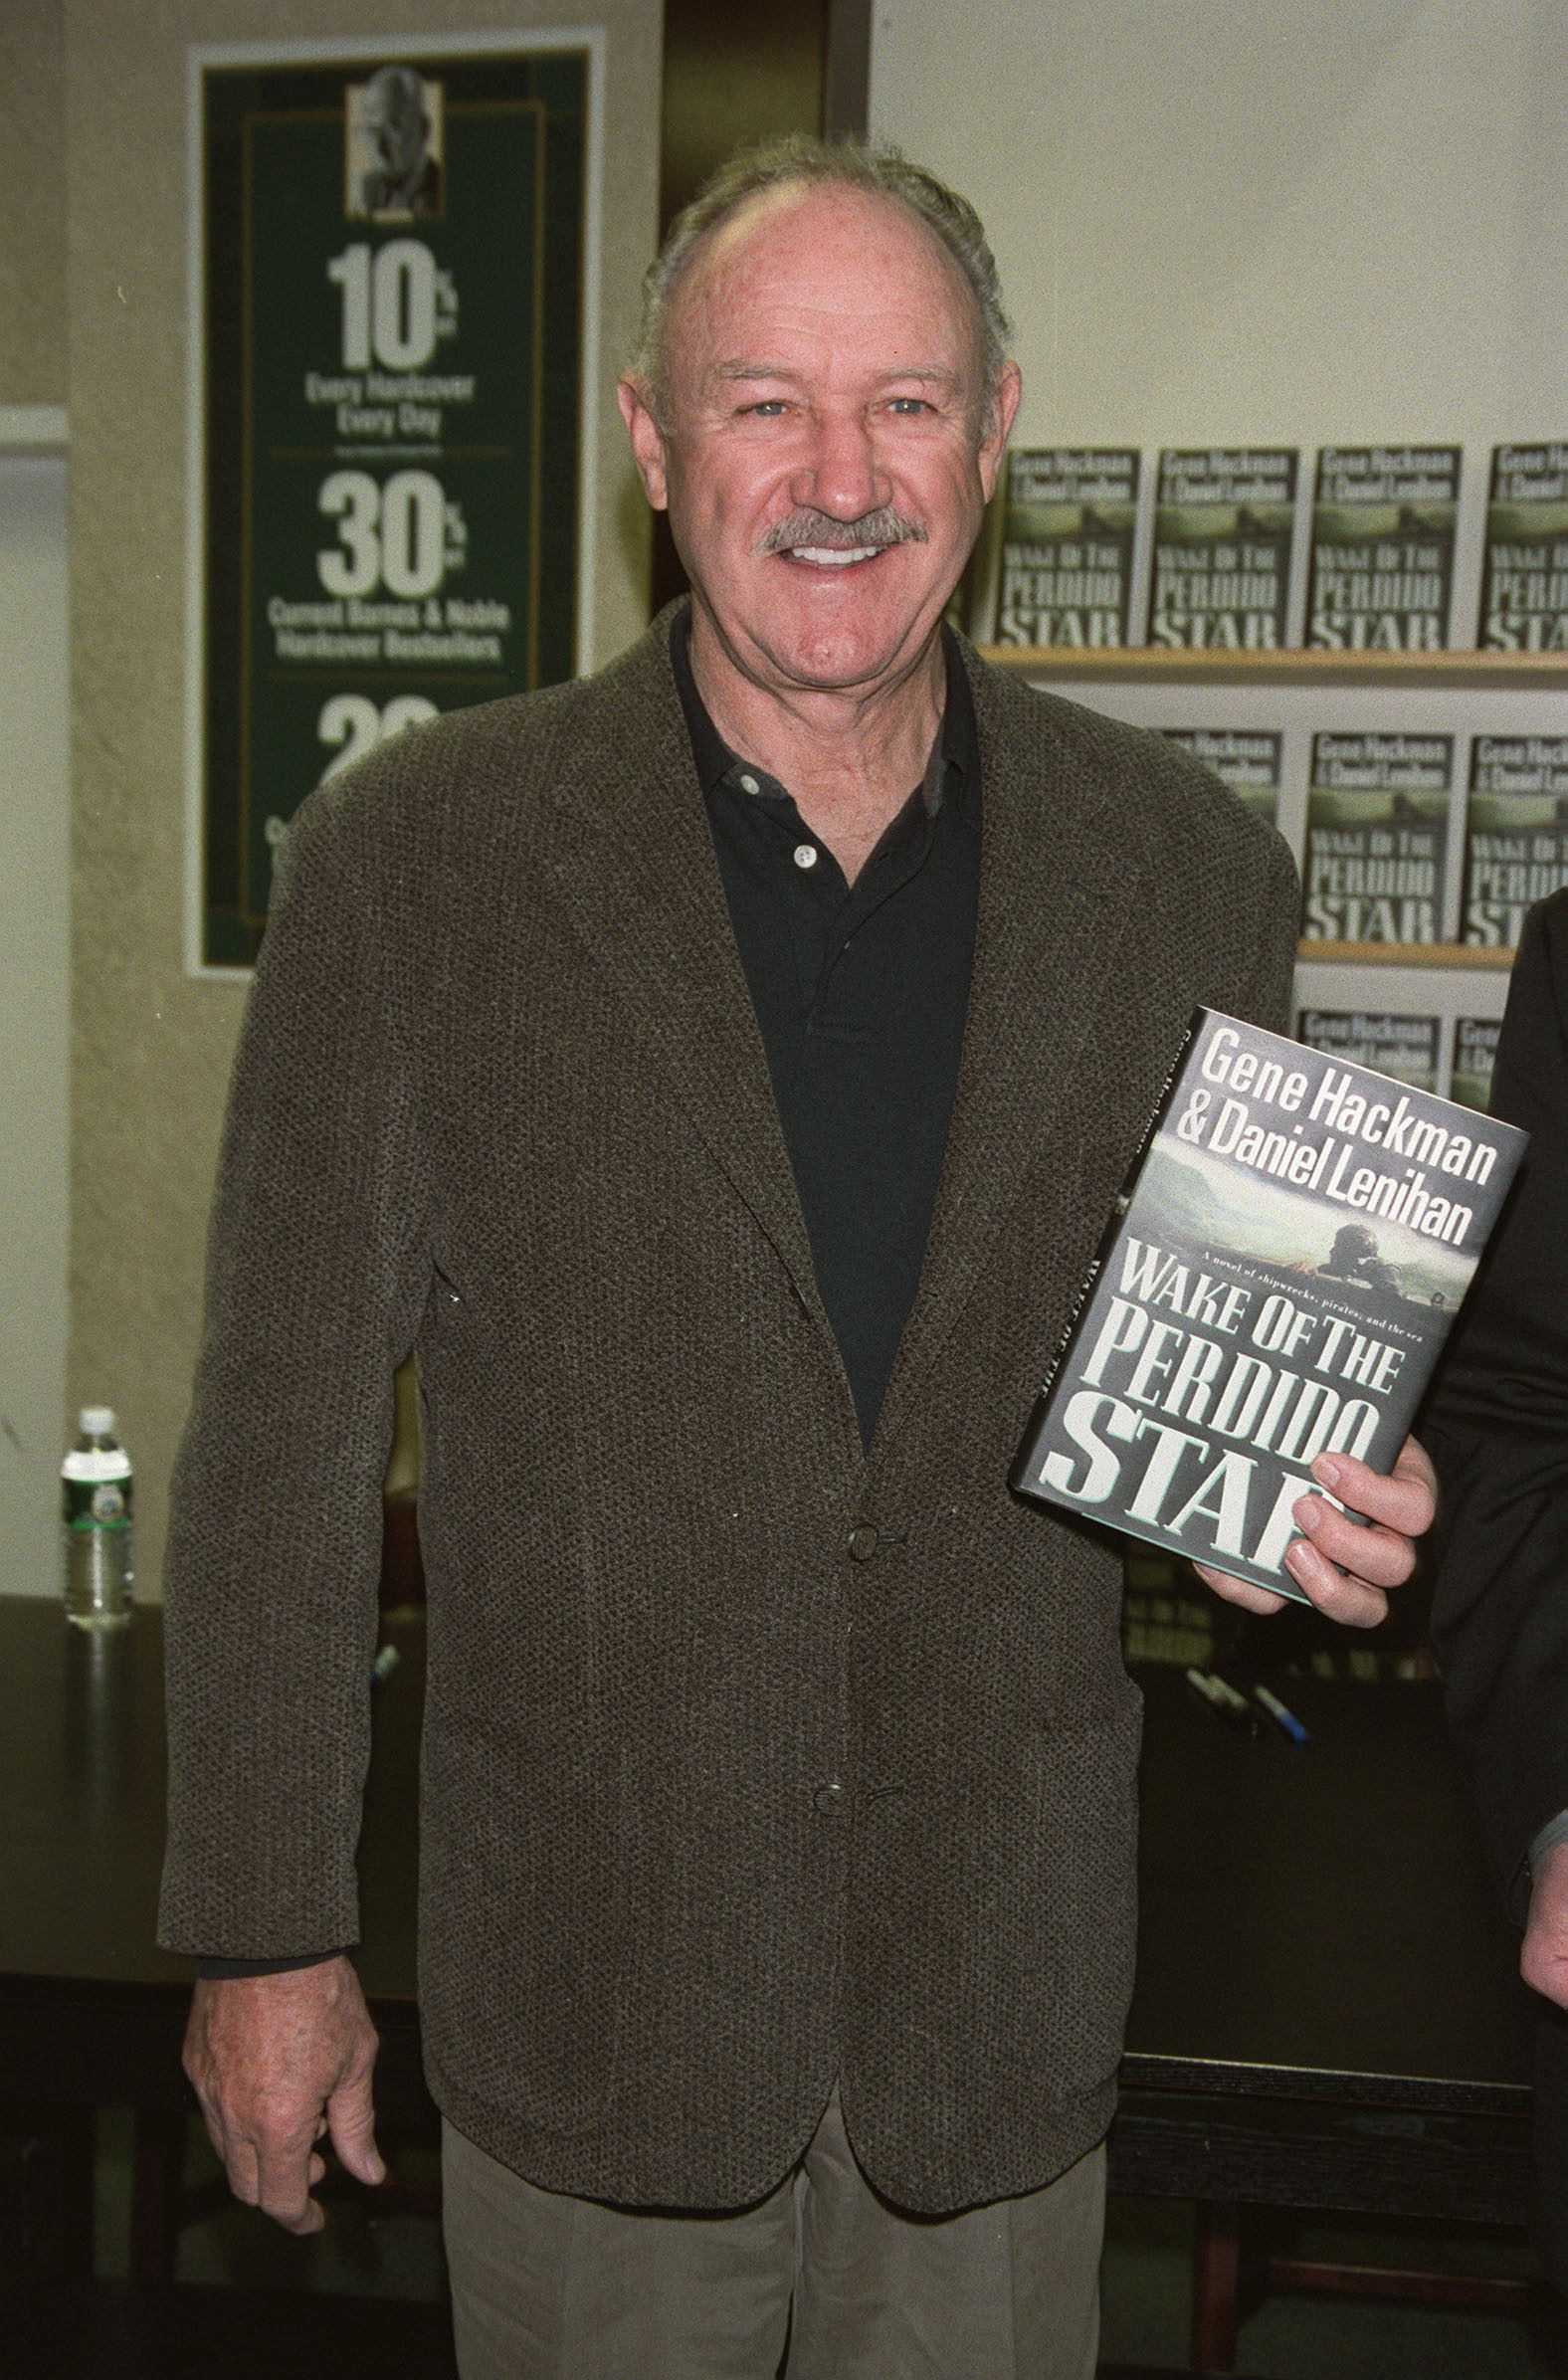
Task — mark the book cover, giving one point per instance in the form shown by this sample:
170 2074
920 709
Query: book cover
1377 825
1405 1048
1068 529
1245 758
1276 1283
1381 557
1224 525
1524 560
1474 1052
1515 834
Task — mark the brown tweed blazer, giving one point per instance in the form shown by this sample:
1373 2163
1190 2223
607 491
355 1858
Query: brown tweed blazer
501 1097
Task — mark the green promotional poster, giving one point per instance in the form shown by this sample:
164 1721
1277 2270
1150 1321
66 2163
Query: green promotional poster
394 265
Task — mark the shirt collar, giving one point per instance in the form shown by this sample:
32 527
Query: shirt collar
952 774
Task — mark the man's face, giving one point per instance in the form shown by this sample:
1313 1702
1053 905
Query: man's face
395 121
828 446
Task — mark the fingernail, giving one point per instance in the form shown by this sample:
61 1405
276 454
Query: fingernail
1326 1470
1297 1562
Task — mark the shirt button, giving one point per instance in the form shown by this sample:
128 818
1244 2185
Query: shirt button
828 1799
863 1542
805 855
749 784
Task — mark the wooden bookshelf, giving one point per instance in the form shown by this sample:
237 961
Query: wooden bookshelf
1403 955
1158 664
1307 670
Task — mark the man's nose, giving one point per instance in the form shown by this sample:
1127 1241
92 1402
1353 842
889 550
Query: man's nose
840 473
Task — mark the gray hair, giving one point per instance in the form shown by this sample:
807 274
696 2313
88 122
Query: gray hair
878 168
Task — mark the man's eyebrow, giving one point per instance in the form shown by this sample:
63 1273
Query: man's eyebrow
743 368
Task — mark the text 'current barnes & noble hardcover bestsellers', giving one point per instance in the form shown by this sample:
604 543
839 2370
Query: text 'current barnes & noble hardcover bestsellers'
1275 1283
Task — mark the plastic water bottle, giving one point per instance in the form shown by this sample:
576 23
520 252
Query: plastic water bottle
94 1512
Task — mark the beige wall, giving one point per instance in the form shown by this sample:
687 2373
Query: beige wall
152 1049
1282 221
32 203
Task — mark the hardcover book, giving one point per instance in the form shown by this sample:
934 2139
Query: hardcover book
1276 1282
1524 562
1224 525
1382 572
1245 758
1377 828
1515 834
1068 536
1404 1047
1474 1055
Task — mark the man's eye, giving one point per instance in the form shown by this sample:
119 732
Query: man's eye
908 405
769 407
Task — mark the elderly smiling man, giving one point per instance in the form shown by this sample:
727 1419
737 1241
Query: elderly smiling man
720 1071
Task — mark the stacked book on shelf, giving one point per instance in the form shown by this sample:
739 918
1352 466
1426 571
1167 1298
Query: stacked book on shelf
1221 549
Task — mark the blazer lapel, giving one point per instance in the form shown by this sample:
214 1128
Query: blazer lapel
633 867
1049 930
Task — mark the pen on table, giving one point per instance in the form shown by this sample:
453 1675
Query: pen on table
1280 1716
1225 1702
1227 1698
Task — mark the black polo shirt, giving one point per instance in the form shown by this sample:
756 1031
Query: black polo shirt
861 992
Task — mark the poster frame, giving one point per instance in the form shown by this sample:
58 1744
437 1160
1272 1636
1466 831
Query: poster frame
354 50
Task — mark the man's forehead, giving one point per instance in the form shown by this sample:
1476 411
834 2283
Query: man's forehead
784 232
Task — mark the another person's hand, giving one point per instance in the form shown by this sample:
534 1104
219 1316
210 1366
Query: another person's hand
1544 1961
1346 1569
277 2060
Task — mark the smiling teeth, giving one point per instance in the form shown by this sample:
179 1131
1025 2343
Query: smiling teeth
835 556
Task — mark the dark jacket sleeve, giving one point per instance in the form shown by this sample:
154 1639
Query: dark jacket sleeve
313 1291
1497 1430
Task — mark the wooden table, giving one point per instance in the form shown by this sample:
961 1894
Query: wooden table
1326 2015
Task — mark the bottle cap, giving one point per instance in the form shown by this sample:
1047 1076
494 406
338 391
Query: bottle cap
97 1420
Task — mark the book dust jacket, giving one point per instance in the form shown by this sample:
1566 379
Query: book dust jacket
1515 834
1223 530
1068 539
1524 562
1382 557
1275 1283
1377 832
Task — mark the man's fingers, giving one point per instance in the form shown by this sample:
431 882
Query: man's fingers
351 2117
277 2062
1404 1501
1250 1597
1343 1566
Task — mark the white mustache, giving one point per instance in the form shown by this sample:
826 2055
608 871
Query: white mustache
870 531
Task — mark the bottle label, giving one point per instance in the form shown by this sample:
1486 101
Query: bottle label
95 1504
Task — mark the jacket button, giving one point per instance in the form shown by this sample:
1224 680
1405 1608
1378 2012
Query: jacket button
828 1799
862 1542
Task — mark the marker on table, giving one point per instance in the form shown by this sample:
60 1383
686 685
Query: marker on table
1231 1708
1280 1716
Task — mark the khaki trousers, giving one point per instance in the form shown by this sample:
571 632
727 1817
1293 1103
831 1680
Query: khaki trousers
823 2281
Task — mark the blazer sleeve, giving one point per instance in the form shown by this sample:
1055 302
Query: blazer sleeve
313 1292
1496 1427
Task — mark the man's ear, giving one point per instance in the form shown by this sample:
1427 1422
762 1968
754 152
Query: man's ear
1004 410
647 441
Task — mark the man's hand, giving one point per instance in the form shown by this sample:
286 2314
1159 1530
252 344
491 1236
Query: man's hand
1345 1569
1544 1961
277 2060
